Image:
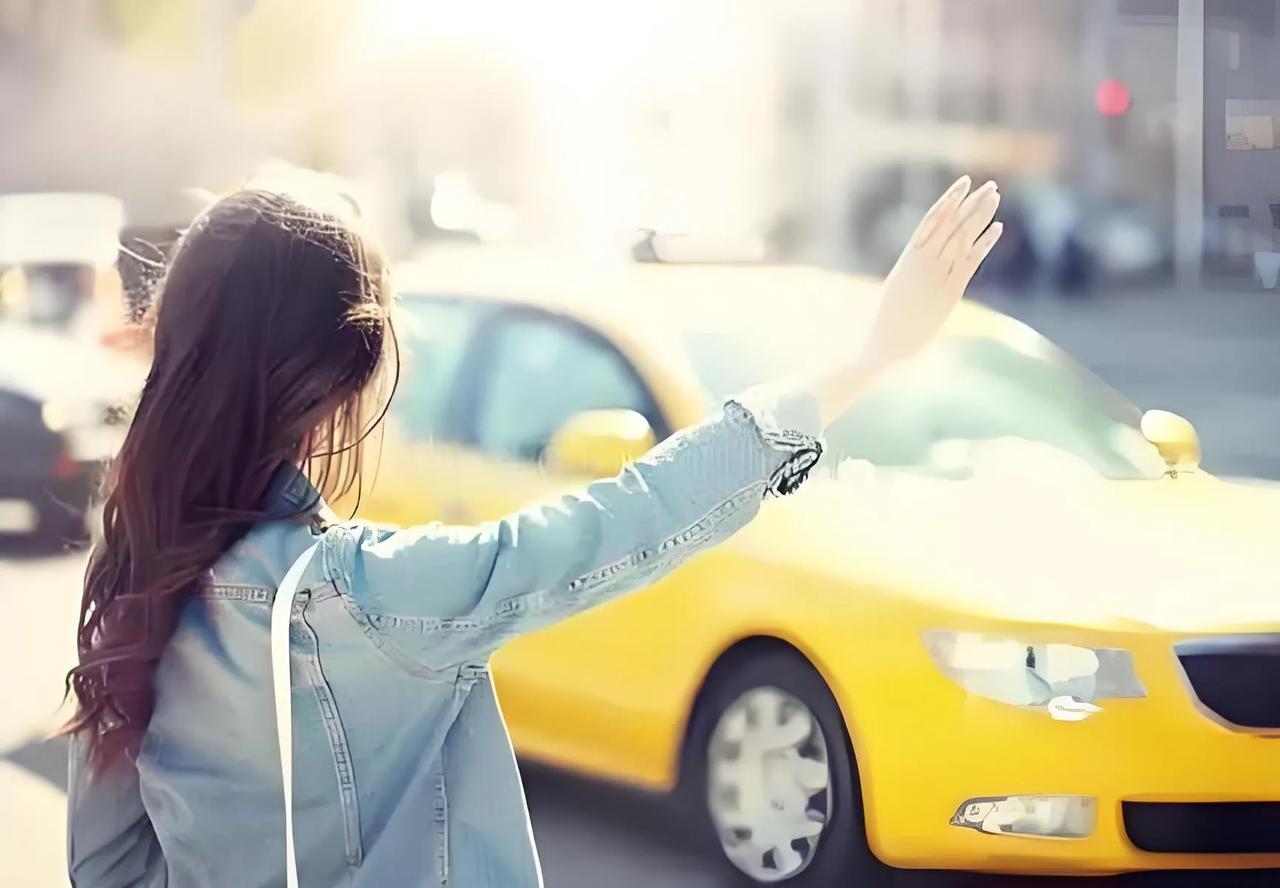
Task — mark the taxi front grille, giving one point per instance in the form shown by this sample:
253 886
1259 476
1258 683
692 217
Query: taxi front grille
1236 678
1203 827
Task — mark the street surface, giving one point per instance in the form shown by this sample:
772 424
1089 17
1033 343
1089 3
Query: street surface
588 834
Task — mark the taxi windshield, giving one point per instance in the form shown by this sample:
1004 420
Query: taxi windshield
968 389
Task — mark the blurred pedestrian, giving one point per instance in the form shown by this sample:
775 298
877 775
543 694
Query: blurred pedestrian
223 589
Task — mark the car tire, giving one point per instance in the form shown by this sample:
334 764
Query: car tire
840 854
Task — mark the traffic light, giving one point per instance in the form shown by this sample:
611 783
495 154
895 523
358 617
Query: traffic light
1112 98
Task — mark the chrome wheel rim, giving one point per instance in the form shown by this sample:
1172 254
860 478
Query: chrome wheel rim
768 784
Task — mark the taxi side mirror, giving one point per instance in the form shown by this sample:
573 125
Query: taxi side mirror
598 443
1174 437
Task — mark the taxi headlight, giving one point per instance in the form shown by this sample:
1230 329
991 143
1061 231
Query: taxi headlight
1066 678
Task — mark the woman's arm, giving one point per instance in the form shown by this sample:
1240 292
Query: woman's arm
441 596
436 596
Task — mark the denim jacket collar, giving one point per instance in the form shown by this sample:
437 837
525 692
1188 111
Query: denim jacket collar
290 493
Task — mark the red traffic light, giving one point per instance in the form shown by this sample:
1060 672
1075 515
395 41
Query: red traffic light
1112 98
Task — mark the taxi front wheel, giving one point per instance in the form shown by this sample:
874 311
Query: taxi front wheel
769 774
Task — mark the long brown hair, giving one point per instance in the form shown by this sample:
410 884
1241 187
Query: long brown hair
269 327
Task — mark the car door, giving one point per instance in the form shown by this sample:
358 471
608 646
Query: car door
536 371
563 689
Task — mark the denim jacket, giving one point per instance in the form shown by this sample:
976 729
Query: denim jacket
403 772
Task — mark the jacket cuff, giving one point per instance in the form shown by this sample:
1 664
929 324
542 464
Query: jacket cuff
790 425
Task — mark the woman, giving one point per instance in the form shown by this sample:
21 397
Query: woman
271 336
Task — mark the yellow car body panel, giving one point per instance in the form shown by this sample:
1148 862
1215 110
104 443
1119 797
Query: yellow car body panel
837 571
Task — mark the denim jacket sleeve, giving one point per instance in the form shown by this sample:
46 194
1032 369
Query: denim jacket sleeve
437 597
110 840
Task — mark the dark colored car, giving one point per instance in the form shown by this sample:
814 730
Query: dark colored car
44 489
60 421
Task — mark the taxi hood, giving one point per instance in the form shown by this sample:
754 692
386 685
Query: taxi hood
1189 554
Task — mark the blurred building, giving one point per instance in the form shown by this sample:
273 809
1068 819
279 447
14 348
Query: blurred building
819 128
1070 105
1241 138
1117 127
1199 137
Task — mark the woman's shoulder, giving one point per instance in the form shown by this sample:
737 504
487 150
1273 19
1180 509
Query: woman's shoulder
261 557
387 568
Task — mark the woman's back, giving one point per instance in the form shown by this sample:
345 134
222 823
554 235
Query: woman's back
383 793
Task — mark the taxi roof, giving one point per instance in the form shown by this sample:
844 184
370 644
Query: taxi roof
626 298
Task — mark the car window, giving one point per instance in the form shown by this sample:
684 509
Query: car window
965 391
543 371
434 335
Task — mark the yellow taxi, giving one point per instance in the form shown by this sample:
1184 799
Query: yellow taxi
1008 625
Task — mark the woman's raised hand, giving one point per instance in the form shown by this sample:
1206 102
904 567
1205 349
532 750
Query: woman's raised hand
926 283
935 268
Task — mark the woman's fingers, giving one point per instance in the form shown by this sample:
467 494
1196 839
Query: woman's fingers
968 265
974 215
942 211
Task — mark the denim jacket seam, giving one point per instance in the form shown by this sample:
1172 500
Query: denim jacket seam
442 822
381 641
385 644
649 557
336 734
246 592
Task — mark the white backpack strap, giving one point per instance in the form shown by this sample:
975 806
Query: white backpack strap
281 610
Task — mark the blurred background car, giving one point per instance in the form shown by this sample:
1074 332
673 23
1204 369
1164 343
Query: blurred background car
44 490
62 386
1004 544
61 420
